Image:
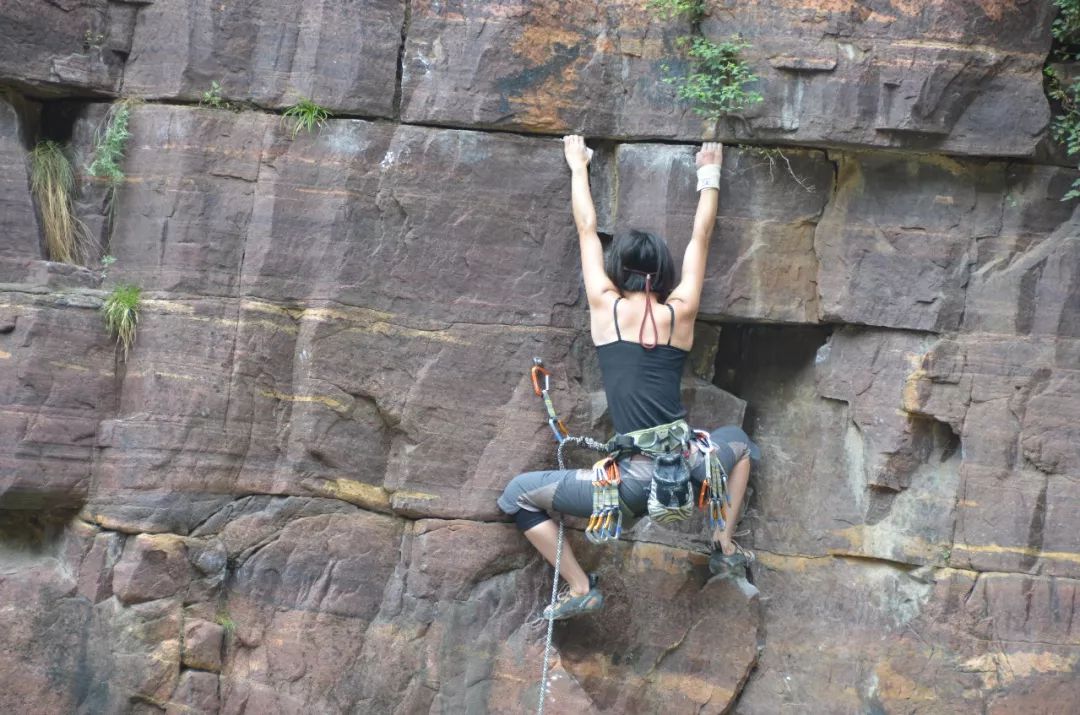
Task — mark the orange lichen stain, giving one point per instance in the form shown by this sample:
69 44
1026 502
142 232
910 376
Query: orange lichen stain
788 563
655 557
1002 669
841 6
542 103
892 686
168 306
911 8
4 355
61 365
695 688
366 321
996 9
870 542
363 495
912 396
1068 556
335 405
537 43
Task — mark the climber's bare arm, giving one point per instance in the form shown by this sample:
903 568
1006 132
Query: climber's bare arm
598 287
688 292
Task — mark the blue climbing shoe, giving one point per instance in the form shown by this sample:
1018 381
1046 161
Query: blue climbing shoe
568 606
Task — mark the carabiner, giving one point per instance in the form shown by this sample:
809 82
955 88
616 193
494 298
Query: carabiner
537 370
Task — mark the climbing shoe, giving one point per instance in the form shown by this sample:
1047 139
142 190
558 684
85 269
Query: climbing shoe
568 606
721 563
736 564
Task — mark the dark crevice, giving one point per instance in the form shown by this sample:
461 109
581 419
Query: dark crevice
34 531
58 119
757 361
401 60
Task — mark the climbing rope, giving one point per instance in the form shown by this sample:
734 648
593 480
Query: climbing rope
563 438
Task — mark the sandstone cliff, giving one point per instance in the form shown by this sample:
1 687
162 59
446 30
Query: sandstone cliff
284 500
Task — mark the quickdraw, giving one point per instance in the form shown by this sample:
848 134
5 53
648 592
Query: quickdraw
562 436
715 483
557 427
605 522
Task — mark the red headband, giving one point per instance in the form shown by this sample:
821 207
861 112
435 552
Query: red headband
648 312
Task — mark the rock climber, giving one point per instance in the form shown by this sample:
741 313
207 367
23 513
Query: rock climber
642 323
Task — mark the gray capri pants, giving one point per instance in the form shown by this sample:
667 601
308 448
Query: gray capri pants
529 496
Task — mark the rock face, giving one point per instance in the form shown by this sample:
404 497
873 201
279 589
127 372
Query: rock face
283 501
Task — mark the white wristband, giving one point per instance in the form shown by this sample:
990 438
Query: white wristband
708 177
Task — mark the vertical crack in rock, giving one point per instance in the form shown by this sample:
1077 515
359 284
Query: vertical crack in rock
400 71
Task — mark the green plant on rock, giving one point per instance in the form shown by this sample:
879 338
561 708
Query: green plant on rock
212 98
121 310
1066 29
691 10
110 145
305 116
226 622
52 182
93 39
716 80
1066 126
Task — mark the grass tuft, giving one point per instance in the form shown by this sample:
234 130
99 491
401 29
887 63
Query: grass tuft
224 620
121 310
306 116
52 182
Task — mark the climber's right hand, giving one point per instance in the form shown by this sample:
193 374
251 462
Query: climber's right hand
577 154
710 153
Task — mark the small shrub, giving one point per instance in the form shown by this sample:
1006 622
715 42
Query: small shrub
1066 126
692 10
212 98
121 309
718 78
306 116
110 145
106 264
1066 29
93 39
52 182
716 81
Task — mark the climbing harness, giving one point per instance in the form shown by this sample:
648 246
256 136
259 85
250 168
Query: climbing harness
671 495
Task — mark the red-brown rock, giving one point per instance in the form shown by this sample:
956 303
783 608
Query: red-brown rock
202 645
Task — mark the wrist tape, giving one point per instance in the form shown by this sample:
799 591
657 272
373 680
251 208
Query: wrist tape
708 177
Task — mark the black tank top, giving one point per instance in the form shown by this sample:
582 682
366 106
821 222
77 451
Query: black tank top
642 386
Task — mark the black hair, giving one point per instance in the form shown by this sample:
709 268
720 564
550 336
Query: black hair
635 253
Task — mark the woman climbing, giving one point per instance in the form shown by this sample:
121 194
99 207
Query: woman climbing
642 323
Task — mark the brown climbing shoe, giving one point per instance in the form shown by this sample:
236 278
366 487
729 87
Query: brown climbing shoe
569 606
